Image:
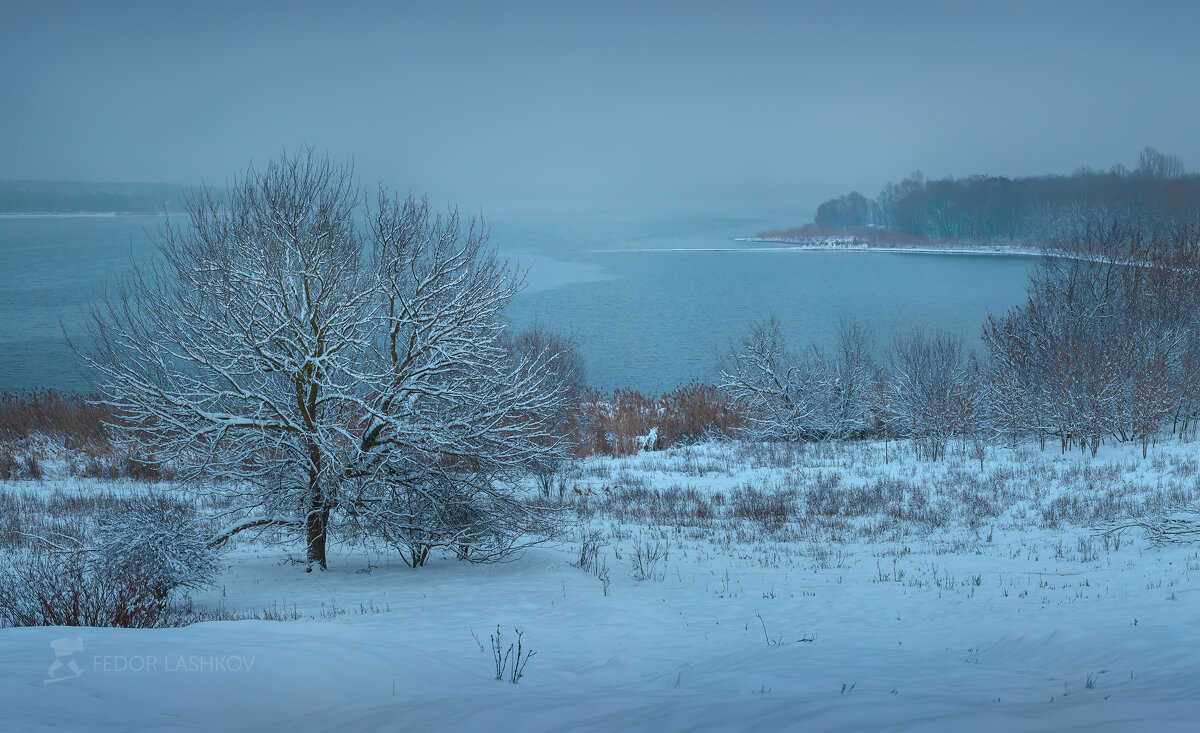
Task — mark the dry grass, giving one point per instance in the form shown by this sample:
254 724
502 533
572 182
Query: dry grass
36 427
626 421
841 492
46 426
70 418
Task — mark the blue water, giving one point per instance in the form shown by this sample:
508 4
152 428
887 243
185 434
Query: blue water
667 316
644 319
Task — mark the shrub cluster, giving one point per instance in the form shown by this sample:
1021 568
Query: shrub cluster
100 559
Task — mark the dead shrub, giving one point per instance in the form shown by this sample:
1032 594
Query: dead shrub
772 509
33 467
53 588
886 497
140 470
97 467
14 468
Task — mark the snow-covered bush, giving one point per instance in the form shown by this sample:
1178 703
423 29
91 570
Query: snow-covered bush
161 542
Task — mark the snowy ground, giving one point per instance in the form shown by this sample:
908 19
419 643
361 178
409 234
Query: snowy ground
816 589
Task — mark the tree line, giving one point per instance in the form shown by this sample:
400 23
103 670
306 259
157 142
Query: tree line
986 207
41 197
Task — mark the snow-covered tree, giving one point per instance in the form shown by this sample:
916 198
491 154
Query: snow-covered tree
1105 345
314 360
854 371
779 392
570 374
809 396
933 394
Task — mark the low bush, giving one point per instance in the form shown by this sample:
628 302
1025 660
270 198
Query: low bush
648 560
45 587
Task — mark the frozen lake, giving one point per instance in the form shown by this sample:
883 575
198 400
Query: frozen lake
644 318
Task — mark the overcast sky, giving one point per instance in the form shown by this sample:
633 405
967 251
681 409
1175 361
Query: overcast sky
492 102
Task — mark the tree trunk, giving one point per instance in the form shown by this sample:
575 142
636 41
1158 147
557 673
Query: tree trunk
318 511
318 518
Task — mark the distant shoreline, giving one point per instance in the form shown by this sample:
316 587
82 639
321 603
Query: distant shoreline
853 244
73 214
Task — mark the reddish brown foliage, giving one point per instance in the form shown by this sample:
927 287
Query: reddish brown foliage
617 423
69 417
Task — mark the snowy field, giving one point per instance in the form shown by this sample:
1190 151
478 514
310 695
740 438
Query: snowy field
717 587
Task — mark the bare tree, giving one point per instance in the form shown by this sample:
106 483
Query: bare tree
311 368
810 396
569 374
1105 344
779 391
932 393
854 369
1013 376
1154 164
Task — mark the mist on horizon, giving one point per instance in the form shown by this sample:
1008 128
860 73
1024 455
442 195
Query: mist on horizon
541 105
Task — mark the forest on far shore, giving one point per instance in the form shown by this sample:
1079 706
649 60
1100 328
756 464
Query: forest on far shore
1032 208
73 197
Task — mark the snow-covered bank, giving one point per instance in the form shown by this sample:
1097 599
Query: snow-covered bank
854 244
797 589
